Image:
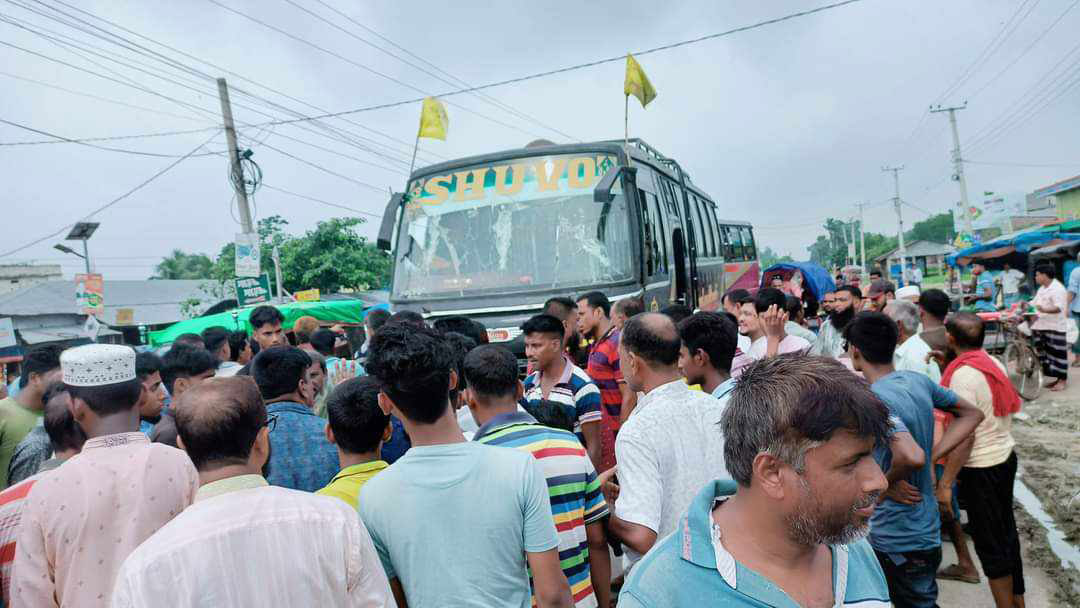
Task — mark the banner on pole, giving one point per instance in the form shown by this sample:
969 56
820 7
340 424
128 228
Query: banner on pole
252 290
248 255
7 333
307 295
90 293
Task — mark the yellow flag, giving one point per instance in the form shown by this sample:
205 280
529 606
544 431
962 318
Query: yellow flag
637 83
433 120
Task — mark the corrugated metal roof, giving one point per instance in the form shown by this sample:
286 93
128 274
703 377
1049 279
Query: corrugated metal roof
152 302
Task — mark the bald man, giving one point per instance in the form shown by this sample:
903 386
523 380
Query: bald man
670 447
226 547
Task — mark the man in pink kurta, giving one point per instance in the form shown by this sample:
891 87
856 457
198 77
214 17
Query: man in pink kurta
83 519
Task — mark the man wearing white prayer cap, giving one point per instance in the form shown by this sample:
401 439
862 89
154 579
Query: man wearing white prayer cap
909 293
84 518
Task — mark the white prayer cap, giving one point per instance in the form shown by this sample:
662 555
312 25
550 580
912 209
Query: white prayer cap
908 292
97 364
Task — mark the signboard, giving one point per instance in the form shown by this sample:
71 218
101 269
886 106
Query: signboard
125 316
7 333
247 255
91 327
993 211
308 295
253 290
90 294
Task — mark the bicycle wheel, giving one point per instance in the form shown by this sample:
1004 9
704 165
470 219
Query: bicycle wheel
1024 369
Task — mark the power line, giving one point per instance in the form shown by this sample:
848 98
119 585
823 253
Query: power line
58 139
480 96
110 149
325 170
113 201
319 200
575 67
1011 164
365 67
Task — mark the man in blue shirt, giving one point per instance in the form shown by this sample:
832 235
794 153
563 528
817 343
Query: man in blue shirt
454 521
709 340
799 435
983 298
1074 304
301 457
905 530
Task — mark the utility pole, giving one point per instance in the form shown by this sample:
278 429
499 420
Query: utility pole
899 219
958 163
235 169
862 240
277 271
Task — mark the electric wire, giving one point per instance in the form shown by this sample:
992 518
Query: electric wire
108 148
114 201
321 201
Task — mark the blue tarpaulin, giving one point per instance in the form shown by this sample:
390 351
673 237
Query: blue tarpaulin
814 276
1017 242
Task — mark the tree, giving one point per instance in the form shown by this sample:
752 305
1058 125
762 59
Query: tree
333 256
936 228
769 257
180 265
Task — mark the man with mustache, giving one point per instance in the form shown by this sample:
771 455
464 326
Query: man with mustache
905 530
830 339
799 434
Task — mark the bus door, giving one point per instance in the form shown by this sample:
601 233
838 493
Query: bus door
658 286
682 260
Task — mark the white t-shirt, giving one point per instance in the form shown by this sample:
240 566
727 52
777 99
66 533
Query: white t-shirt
790 344
1010 281
911 356
667 451
1052 295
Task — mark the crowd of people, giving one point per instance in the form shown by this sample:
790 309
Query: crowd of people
754 455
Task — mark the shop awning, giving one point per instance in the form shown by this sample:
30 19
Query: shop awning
59 334
1017 242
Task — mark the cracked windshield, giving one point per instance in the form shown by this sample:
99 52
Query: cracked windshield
523 224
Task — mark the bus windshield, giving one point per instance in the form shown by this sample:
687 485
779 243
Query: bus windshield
515 225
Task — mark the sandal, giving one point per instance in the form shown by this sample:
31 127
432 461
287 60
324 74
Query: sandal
954 572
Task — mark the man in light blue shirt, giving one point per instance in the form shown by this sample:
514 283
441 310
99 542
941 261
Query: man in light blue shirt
983 298
709 340
1074 301
454 522
905 530
799 437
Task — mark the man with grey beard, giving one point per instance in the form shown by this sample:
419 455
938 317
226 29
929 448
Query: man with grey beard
799 435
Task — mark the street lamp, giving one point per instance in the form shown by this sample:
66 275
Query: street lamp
82 231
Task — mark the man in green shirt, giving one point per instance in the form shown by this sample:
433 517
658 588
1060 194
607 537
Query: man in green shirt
358 427
19 414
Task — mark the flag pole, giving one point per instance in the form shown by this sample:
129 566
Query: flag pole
412 165
626 120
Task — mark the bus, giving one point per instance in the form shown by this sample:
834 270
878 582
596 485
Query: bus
492 237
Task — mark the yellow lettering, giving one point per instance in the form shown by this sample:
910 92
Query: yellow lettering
517 177
545 182
436 186
475 188
581 173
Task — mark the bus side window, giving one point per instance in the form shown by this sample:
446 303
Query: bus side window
648 243
709 227
659 235
699 233
725 243
748 243
736 244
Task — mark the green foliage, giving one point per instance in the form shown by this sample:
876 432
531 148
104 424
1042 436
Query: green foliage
330 257
830 249
180 265
769 257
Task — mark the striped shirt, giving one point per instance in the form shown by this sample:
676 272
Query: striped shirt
603 368
573 489
574 391
12 502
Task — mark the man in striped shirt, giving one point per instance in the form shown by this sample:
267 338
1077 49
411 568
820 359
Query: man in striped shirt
577 504
557 379
594 323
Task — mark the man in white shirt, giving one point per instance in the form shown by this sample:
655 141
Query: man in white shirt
762 319
243 542
1010 284
911 350
670 447
1050 325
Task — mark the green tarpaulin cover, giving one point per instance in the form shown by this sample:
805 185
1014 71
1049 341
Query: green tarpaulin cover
338 311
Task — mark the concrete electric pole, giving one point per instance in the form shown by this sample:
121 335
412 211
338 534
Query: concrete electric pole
862 240
958 163
236 170
899 219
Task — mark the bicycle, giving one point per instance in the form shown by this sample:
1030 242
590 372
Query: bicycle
1022 359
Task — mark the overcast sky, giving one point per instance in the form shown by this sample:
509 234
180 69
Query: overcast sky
783 125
